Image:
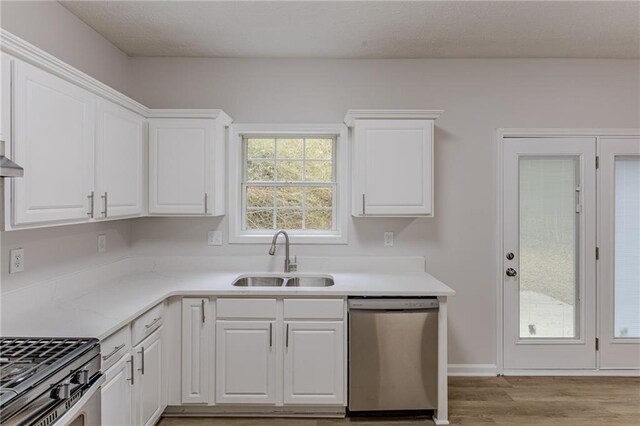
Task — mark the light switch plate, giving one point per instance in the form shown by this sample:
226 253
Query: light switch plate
17 260
102 243
388 239
214 238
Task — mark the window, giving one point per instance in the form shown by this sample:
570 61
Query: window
287 177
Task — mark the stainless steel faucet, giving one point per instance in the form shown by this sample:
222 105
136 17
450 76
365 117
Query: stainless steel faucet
288 266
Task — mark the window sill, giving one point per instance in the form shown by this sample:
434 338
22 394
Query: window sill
293 238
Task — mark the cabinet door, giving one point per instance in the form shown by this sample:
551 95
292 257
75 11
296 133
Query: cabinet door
180 165
119 161
196 355
149 379
116 394
314 363
245 362
54 134
394 163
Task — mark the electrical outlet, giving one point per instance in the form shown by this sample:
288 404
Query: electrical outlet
102 243
214 238
388 239
17 260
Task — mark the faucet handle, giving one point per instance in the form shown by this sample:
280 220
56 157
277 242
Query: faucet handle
293 267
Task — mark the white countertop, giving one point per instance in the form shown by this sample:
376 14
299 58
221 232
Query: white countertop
103 309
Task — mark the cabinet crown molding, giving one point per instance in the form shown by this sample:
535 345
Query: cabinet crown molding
390 114
23 50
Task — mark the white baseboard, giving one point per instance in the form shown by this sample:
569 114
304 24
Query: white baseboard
617 373
472 370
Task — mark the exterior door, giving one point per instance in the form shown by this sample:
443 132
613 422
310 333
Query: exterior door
54 135
320 345
619 252
245 362
196 356
119 162
549 253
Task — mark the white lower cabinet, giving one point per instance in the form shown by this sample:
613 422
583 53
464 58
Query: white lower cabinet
197 362
314 362
245 362
116 394
147 397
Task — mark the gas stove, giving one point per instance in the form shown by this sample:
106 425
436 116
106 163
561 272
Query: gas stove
41 379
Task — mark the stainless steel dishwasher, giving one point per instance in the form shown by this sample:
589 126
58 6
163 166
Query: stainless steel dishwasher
393 354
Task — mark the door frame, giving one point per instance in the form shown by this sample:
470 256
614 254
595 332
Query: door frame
501 135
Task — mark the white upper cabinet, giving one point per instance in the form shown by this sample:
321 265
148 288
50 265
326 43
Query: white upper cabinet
186 167
392 162
53 139
120 159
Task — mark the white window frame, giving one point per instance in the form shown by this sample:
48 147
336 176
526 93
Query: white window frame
237 134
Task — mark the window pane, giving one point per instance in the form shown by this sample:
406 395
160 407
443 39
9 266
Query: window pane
289 219
318 171
260 148
261 170
259 196
290 171
290 148
319 197
289 196
627 247
547 209
260 219
319 220
319 149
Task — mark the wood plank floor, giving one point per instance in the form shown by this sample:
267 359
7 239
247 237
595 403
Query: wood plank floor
574 401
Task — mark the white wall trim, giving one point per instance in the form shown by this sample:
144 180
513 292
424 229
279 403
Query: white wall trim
601 373
569 133
472 370
391 114
23 50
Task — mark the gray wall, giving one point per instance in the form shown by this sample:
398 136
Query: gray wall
51 27
55 251
478 97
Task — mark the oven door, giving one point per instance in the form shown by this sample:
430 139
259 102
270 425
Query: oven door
85 412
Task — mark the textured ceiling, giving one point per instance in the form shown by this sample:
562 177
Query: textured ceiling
389 29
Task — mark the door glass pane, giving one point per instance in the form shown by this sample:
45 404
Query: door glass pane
627 247
548 246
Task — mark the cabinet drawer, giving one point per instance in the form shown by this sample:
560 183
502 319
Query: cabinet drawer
147 323
246 308
314 309
115 346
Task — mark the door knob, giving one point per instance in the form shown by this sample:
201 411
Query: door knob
511 272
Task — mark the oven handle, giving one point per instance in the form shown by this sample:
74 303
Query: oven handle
77 408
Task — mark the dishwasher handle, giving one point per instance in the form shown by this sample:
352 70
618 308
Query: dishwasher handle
389 304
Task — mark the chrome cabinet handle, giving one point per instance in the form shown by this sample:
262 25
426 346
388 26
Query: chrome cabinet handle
203 317
113 352
511 272
104 198
90 212
287 339
270 335
363 204
152 323
141 369
130 361
206 203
